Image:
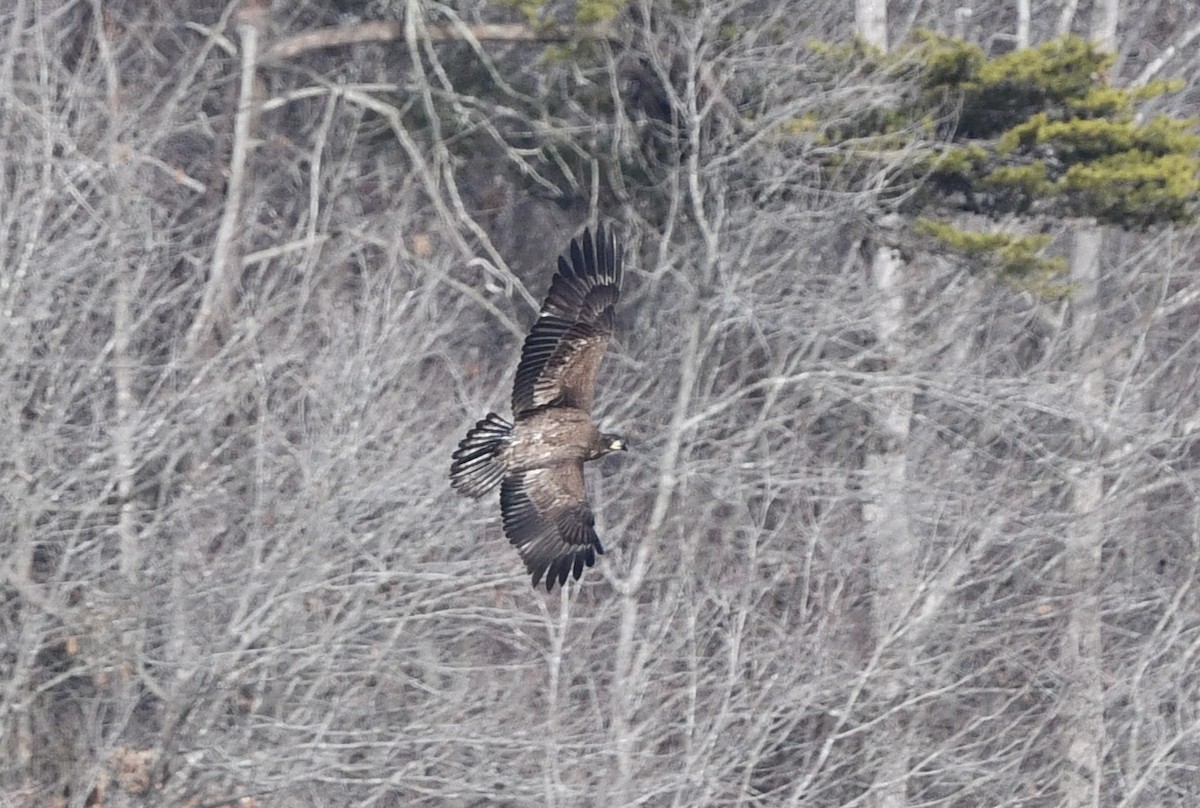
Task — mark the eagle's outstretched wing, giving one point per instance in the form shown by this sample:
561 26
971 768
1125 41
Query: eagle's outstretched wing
548 519
563 350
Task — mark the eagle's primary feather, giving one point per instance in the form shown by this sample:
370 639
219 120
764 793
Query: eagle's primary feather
565 346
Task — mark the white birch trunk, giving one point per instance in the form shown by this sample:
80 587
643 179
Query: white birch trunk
893 554
1024 17
1067 16
1083 707
870 20
1104 24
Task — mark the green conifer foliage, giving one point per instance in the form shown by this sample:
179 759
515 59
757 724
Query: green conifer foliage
1035 132
1041 132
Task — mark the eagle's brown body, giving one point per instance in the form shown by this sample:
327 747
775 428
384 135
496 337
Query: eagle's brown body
548 437
538 458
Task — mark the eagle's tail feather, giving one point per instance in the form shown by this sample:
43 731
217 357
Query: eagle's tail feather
479 462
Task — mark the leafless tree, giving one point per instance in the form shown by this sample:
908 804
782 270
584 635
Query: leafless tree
251 296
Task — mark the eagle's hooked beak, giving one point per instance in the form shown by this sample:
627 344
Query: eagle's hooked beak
617 444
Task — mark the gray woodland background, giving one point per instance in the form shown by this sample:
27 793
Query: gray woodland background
893 532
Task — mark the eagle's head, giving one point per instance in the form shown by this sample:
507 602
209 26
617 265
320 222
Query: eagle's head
614 443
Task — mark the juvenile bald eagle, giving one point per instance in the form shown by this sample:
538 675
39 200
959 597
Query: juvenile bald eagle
538 459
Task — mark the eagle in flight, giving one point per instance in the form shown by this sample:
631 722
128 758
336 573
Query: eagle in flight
538 458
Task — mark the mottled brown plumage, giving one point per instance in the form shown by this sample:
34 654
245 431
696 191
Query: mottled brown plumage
538 459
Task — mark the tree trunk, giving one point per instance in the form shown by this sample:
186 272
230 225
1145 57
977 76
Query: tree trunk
1083 707
1104 24
1067 16
893 555
870 21
885 521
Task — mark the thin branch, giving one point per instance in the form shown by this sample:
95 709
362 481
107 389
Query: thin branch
282 249
175 173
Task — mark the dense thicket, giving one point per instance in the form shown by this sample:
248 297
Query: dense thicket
253 291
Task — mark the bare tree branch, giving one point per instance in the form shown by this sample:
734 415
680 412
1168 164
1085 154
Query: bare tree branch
1155 65
217 303
393 31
